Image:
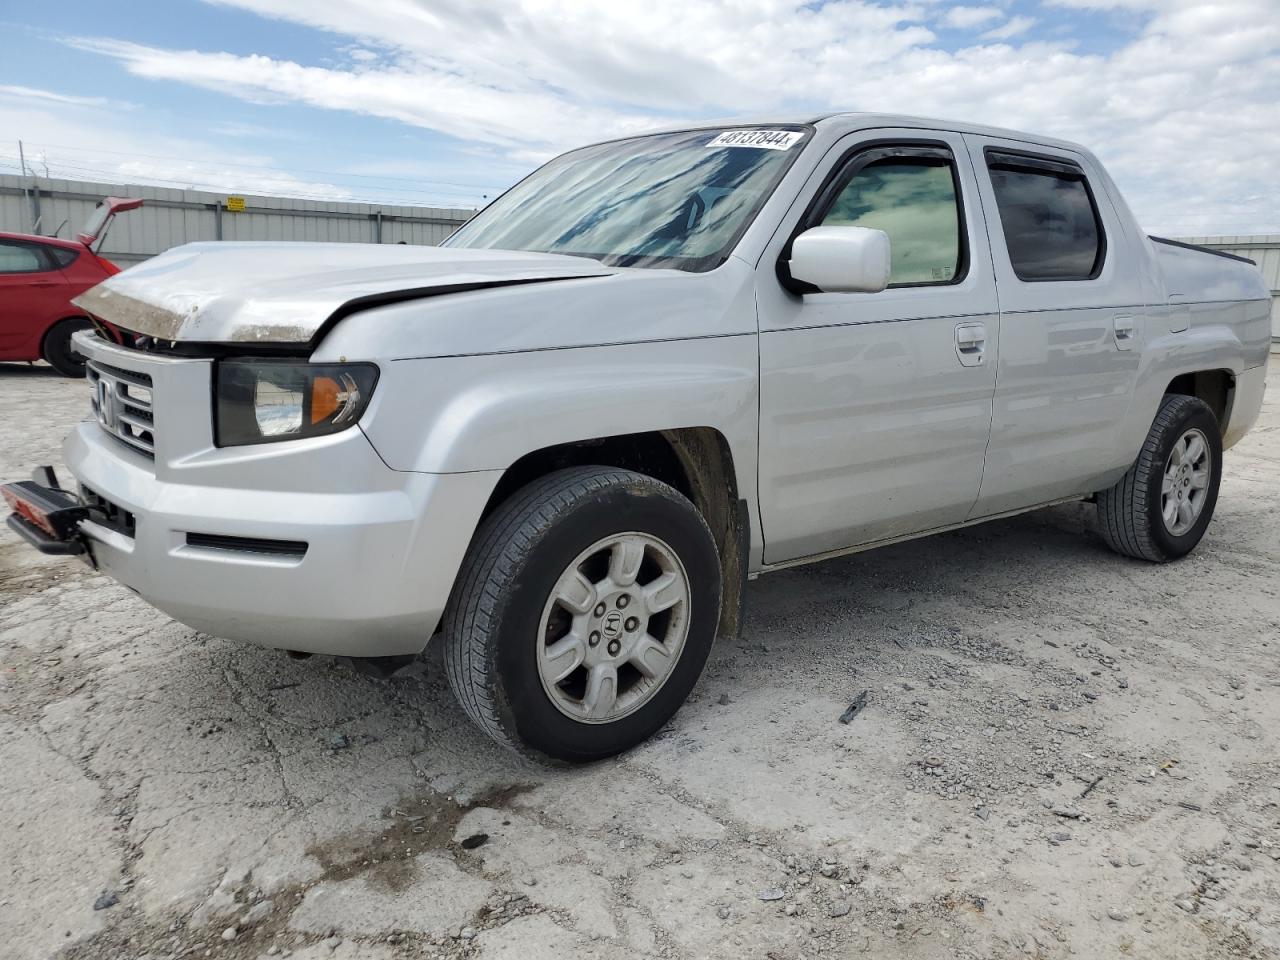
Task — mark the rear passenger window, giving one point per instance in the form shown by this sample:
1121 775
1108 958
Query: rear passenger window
63 256
914 201
20 258
1051 225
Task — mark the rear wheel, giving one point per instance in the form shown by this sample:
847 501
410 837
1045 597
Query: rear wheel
58 350
1160 509
583 613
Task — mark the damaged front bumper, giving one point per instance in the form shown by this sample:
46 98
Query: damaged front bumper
360 572
311 545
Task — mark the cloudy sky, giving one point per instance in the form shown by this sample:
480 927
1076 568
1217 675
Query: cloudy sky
447 102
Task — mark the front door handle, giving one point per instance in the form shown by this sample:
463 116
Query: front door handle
1122 328
971 343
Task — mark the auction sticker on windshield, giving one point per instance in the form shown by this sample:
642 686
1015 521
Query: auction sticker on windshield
766 139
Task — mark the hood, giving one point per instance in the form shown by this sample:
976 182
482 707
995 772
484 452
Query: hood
290 293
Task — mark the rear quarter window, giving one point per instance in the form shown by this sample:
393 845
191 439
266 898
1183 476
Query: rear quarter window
63 256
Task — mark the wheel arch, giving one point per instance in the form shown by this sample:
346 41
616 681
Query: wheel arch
696 461
1215 387
1211 379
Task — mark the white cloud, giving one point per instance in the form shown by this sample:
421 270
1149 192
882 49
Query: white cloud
86 144
1181 111
434 99
1131 5
29 94
966 18
1013 27
249 131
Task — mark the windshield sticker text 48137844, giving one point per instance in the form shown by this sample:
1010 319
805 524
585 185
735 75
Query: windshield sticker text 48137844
759 139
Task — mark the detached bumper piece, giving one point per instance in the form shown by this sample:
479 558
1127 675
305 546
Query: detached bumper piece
45 515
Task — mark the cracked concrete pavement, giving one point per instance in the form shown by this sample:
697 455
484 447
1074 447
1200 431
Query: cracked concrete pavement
1064 753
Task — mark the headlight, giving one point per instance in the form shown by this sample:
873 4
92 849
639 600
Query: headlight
259 401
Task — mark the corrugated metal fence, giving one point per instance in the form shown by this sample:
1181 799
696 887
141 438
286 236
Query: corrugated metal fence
172 217
1265 252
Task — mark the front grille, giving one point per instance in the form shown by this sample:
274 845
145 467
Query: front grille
121 401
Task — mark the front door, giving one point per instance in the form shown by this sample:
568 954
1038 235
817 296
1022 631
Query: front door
1071 324
875 408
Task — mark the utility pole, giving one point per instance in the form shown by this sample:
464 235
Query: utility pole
34 194
22 163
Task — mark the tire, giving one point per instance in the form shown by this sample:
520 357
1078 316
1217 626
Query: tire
504 618
58 351
1132 513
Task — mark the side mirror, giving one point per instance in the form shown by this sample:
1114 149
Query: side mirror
841 259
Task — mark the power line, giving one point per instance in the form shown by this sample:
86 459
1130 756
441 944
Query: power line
261 166
262 184
72 165
291 187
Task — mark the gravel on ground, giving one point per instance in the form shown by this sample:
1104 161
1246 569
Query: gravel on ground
1060 753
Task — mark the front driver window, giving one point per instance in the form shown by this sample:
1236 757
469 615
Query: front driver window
914 201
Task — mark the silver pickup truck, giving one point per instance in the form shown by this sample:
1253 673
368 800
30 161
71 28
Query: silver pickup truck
652 370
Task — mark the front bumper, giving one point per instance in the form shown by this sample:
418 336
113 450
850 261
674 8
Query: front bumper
382 547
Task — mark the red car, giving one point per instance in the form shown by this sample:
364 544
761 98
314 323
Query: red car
39 276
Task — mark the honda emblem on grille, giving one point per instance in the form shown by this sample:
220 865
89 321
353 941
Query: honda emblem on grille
108 415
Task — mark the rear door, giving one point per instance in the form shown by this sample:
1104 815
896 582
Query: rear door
1071 323
33 294
875 408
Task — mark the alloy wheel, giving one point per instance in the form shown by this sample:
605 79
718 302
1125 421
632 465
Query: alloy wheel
1185 485
614 627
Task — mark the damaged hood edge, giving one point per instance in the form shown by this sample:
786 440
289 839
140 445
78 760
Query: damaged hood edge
292 293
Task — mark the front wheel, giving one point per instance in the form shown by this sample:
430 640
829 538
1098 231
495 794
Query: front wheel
1159 510
583 614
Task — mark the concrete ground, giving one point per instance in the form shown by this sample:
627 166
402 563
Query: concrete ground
1064 753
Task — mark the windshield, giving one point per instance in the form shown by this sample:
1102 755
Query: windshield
668 200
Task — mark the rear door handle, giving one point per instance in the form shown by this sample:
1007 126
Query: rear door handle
971 343
1122 327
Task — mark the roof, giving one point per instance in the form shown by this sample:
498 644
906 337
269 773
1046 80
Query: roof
849 121
36 238
862 121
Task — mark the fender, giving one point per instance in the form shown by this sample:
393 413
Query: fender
461 414
481 413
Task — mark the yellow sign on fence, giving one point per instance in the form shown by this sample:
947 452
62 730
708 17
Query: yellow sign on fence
235 204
